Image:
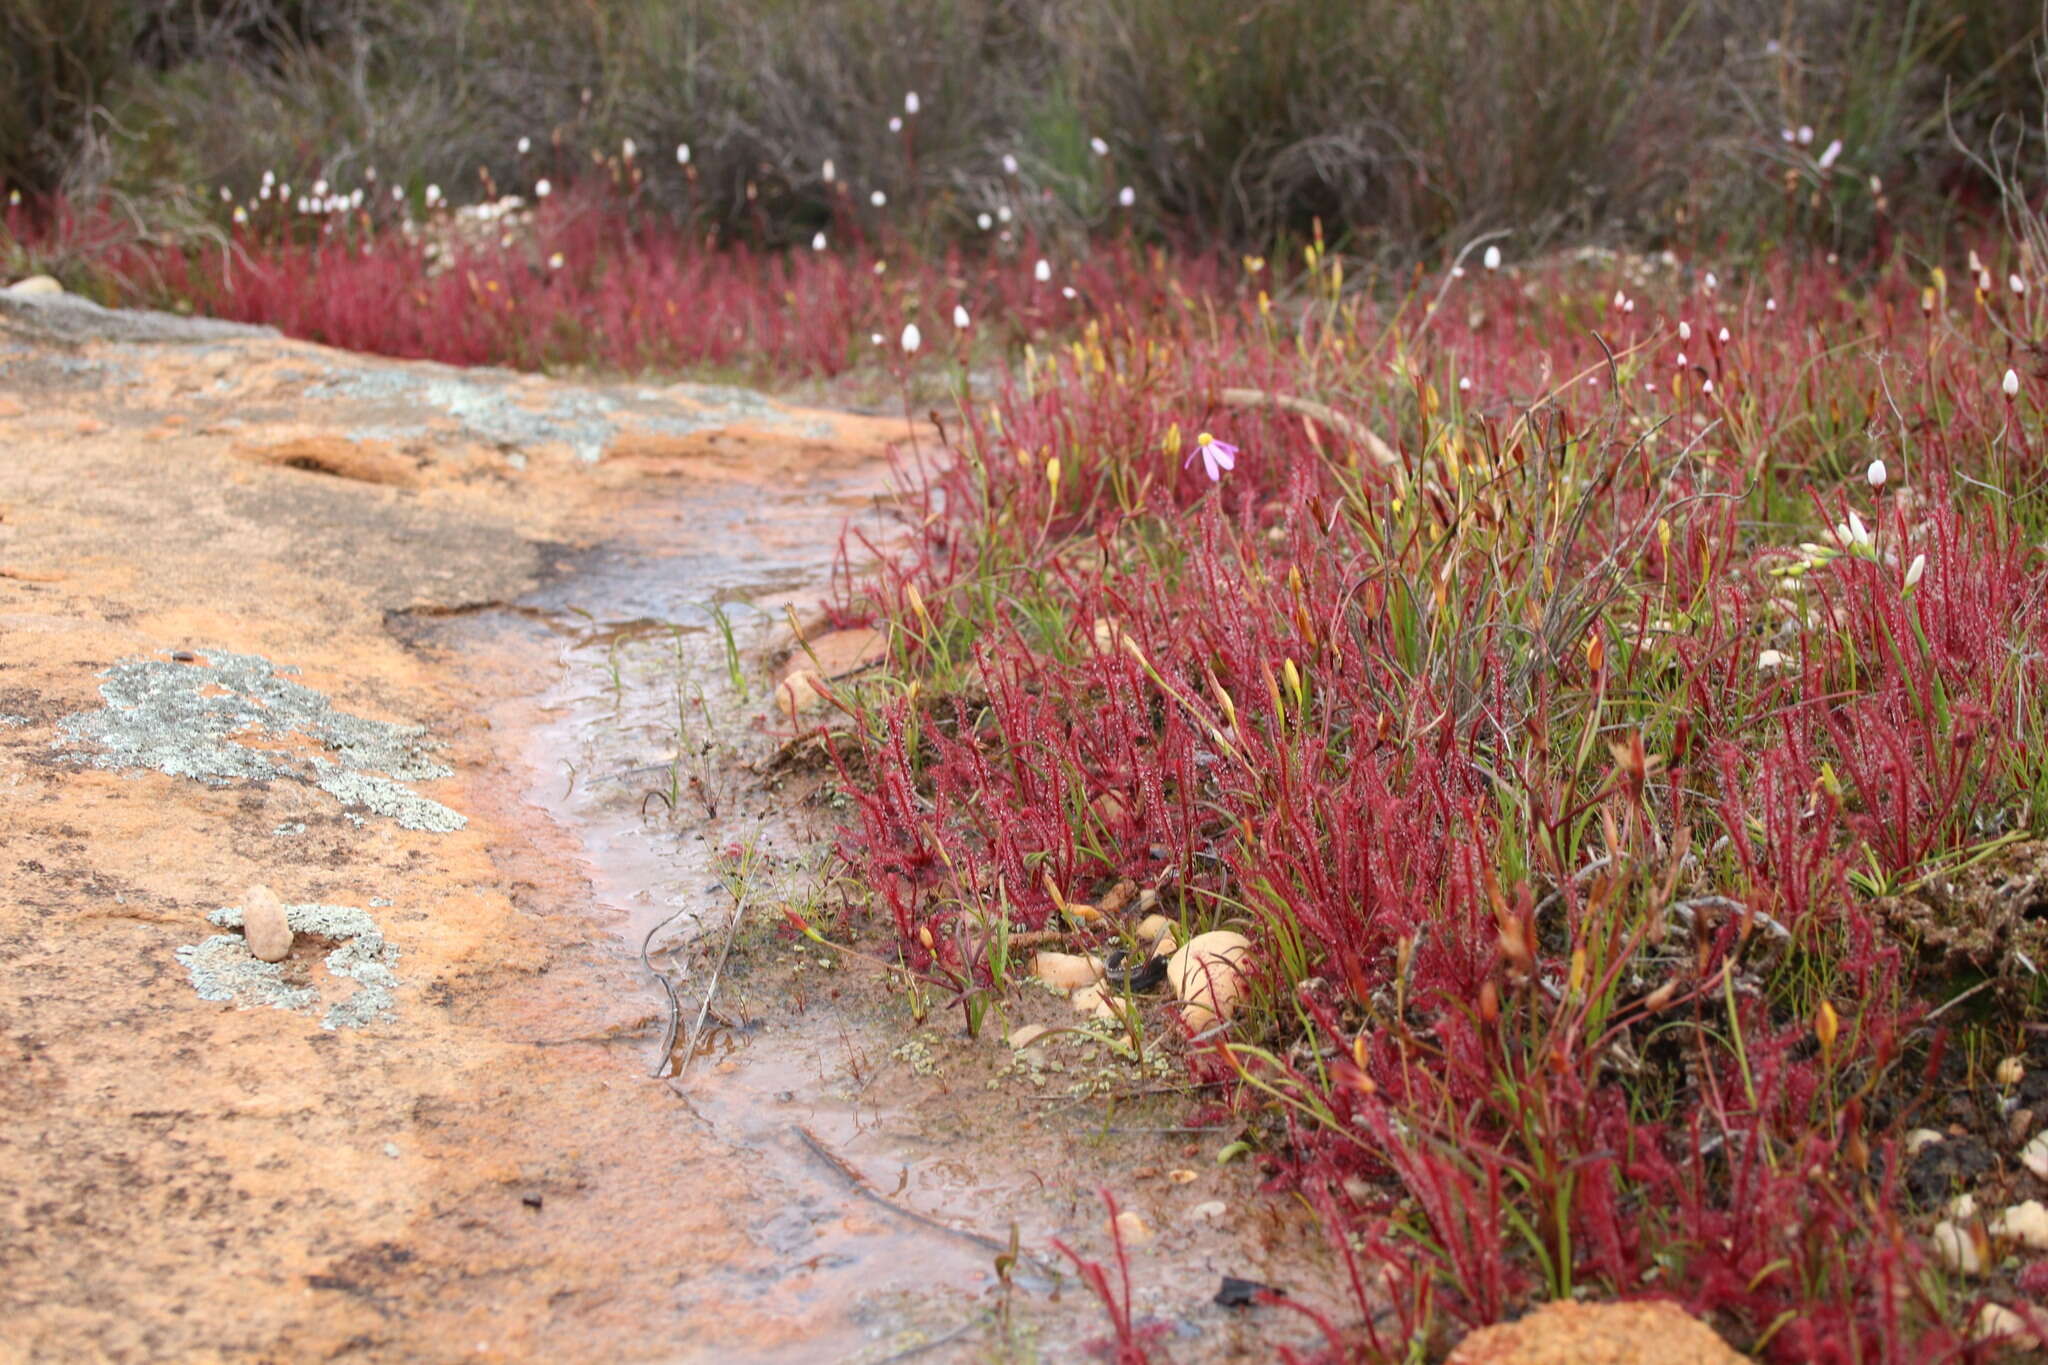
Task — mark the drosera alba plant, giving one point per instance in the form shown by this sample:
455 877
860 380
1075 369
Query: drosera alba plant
1549 685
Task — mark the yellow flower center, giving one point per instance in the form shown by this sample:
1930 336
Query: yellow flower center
1205 439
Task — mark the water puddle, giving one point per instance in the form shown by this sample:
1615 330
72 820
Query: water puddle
883 1185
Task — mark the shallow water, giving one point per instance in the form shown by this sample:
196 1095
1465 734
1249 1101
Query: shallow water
882 1186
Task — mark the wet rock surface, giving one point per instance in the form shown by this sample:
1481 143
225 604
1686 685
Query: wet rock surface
279 615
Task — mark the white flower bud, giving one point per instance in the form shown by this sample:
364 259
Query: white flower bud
878 199
683 154
818 242
912 338
525 145
1916 570
2011 384
1098 146
1042 272
541 190
960 318
1491 260
1127 196
910 102
1875 474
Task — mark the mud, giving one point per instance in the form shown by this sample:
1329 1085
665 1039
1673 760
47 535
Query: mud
264 609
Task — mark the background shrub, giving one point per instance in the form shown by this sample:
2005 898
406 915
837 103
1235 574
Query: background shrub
1401 124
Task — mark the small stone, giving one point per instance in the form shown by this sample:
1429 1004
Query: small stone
1996 1320
1118 896
2011 1071
2018 1124
1208 978
1067 971
2034 1156
2025 1223
35 285
1131 1228
264 927
1152 928
1025 1036
1208 1211
1922 1138
391 1149
1181 1177
797 694
1956 1248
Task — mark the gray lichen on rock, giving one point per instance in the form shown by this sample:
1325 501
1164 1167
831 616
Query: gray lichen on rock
183 719
222 967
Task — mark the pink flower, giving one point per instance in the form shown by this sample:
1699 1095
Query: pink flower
1217 456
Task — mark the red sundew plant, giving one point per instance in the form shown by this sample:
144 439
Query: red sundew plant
1532 698
1549 685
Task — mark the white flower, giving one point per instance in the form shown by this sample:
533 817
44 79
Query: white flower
241 214
960 318
1002 213
269 179
1628 305
2011 384
541 190
1465 383
2016 284
1492 258
983 221
912 338
227 196
895 123
682 154
1712 282
1788 135
1805 135
525 145
1875 474
1723 336
1827 157
875 337
1098 146
629 149
1042 272
829 171
1769 660
1916 570
910 102
878 199
1619 298
818 242
398 194
1771 305
355 198
1457 272
1680 361
1009 164
1067 292
433 195
555 261
1858 532
1707 387
263 193
1684 330
1127 196
319 189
